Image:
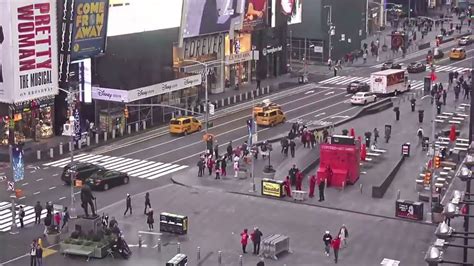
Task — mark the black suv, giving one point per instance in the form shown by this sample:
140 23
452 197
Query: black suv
357 86
83 170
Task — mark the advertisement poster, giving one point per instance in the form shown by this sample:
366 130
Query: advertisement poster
296 11
272 188
77 125
18 163
29 50
255 14
89 30
209 16
134 16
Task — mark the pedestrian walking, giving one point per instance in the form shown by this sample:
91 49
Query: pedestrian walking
224 166
66 217
256 237
39 255
321 186
218 168
336 245
329 63
287 186
419 134
21 215
312 139
210 164
299 181
128 205
230 150
200 165
147 202
343 235
48 220
33 247
38 210
292 148
150 220
244 237
327 239
312 185
292 174
236 165
376 134
57 218
216 151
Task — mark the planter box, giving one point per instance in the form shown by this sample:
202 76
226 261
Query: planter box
53 238
97 251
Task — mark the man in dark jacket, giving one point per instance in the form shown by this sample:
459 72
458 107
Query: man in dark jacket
38 210
128 202
292 148
327 239
201 167
256 238
292 173
230 150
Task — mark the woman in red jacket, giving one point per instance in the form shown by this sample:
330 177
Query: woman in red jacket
244 238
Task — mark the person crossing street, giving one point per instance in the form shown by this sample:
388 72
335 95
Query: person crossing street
128 203
147 202
38 210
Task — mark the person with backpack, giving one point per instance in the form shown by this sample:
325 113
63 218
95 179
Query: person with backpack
244 237
21 215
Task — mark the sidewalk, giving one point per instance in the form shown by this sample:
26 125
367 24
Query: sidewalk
355 198
221 100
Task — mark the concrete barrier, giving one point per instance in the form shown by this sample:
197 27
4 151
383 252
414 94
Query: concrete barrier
379 191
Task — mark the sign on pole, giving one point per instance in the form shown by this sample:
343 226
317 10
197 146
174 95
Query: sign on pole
18 163
11 186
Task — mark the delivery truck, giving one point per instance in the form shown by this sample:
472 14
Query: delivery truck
388 82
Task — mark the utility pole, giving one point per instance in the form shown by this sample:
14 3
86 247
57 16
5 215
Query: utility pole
72 123
331 31
382 7
11 138
367 17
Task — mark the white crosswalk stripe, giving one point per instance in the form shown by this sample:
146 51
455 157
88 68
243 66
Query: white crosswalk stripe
6 215
345 80
450 68
133 167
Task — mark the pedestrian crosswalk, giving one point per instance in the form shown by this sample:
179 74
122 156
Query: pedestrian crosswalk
6 215
345 80
133 167
438 68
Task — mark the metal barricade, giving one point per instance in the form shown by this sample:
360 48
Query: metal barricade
299 195
275 244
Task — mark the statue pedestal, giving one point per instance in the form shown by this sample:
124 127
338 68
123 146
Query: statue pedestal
89 223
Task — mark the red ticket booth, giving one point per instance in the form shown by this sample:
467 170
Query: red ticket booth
340 161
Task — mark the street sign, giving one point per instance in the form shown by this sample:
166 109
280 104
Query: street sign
318 49
11 186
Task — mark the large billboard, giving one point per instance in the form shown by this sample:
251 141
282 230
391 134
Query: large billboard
28 51
296 7
134 16
210 16
90 28
255 14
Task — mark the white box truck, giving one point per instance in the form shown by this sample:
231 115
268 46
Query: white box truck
390 81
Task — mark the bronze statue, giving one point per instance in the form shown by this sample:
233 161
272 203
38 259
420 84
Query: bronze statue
86 199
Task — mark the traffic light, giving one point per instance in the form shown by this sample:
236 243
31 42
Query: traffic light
437 162
125 112
427 178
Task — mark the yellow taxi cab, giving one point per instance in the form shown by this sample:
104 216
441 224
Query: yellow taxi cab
184 125
457 53
264 106
270 117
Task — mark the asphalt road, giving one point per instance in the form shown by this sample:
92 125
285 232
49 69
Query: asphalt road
318 104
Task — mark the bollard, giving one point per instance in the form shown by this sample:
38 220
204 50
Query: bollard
398 194
105 136
51 152
137 126
129 129
113 133
198 253
418 195
70 146
222 102
140 241
258 92
360 187
88 140
199 108
61 148
219 257
38 155
144 124
96 138
178 249
235 99
158 245
240 260
240 97
79 144
121 131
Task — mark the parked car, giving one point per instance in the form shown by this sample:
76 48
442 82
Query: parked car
363 98
466 40
81 170
105 179
391 65
438 54
357 86
416 67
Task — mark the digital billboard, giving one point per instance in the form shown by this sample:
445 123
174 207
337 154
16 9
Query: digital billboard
255 15
28 50
134 16
209 16
89 28
296 11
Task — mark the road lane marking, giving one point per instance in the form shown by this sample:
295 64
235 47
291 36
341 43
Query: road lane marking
24 184
61 198
51 188
329 93
55 174
39 179
308 92
22 198
323 113
36 193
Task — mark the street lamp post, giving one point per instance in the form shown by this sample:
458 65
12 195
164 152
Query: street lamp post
206 116
72 124
329 23
433 134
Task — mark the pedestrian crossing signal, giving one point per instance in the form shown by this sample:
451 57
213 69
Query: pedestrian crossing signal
125 112
437 162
